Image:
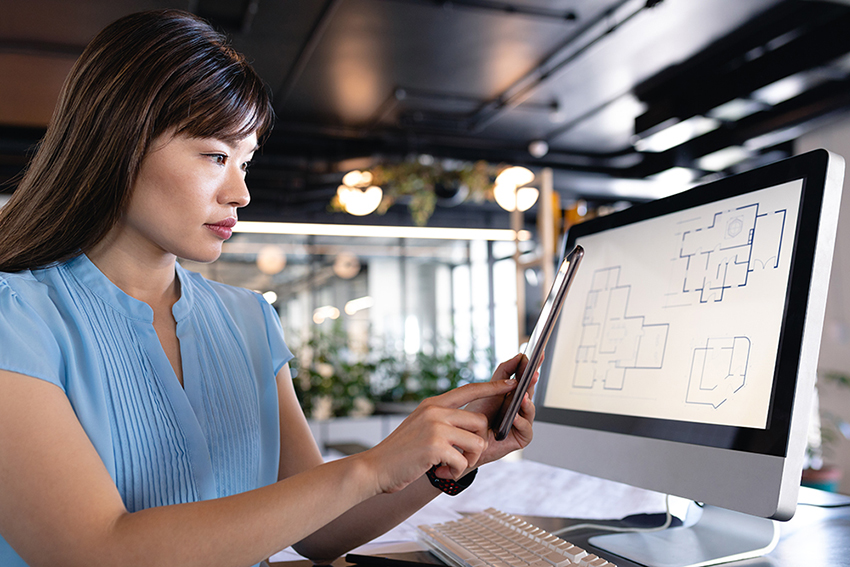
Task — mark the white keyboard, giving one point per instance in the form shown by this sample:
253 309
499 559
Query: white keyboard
495 539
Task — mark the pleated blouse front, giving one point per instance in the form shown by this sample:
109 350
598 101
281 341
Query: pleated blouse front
162 443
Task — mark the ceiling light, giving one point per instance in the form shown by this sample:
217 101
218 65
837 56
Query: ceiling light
357 178
271 259
723 159
526 197
672 181
359 304
736 109
538 148
677 134
776 137
509 197
346 265
516 176
375 231
359 202
505 196
321 314
509 192
675 175
781 90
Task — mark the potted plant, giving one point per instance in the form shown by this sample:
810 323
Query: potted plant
830 429
402 381
330 380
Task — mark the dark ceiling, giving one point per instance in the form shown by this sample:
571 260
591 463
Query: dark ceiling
361 81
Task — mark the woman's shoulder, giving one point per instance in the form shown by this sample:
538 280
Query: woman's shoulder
16 278
37 296
30 323
30 286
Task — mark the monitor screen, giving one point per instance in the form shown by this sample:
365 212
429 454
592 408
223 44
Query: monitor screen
698 269
685 356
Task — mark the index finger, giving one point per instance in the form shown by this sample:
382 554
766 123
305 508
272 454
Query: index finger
461 396
510 367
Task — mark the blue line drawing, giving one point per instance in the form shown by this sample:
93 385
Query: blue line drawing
613 342
718 370
716 257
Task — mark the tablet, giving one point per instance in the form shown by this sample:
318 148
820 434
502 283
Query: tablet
539 336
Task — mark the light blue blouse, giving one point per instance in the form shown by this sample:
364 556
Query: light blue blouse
217 435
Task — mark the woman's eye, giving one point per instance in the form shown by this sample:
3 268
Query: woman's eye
219 159
246 165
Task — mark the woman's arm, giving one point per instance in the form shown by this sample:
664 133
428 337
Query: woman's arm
59 506
383 512
367 520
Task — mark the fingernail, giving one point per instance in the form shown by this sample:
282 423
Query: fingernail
510 381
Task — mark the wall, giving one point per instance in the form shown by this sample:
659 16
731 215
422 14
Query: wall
835 346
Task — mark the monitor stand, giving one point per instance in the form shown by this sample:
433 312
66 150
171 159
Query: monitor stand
718 536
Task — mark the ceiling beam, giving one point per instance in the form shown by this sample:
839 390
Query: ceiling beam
309 46
567 52
508 8
721 73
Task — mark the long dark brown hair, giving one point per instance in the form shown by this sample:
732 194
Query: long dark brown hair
144 75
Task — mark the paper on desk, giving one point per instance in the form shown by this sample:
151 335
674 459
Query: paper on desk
534 489
524 488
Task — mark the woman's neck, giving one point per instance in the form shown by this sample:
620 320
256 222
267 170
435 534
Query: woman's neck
147 277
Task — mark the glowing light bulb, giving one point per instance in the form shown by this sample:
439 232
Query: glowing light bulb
505 196
516 176
357 201
271 259
526 197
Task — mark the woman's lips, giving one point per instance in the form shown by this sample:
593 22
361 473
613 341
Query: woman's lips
223 229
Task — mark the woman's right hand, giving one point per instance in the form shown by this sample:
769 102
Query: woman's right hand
438 432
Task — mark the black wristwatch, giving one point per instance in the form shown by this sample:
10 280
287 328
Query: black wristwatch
449 486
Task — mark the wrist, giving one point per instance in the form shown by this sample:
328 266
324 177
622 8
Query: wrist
367 474
450 486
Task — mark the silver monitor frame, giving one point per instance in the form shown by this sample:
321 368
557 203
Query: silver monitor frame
764 485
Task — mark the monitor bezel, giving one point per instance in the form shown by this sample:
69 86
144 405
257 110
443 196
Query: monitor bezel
811 168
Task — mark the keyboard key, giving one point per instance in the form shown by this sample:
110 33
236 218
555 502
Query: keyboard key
573 553
495 539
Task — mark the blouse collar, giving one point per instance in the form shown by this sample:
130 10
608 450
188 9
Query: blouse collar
89 275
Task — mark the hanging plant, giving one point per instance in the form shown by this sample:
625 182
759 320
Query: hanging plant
422 182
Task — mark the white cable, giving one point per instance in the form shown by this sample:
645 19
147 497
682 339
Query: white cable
668 520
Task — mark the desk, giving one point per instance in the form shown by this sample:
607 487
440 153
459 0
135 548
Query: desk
815 536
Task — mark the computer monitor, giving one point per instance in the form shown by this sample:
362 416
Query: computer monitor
685 357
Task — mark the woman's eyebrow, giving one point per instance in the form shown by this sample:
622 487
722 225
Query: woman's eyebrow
234 145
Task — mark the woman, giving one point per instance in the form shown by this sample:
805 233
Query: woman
147 416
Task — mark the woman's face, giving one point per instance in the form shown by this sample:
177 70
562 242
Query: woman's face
185 198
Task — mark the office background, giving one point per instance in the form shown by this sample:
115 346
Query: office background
608 102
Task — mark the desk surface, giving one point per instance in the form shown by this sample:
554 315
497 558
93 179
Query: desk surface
814 536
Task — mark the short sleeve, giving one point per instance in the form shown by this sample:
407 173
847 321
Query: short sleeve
27 343
277 345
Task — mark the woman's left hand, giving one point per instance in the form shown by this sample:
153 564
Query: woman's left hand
521 433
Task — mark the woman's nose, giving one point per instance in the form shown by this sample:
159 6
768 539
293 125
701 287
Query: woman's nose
236 191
